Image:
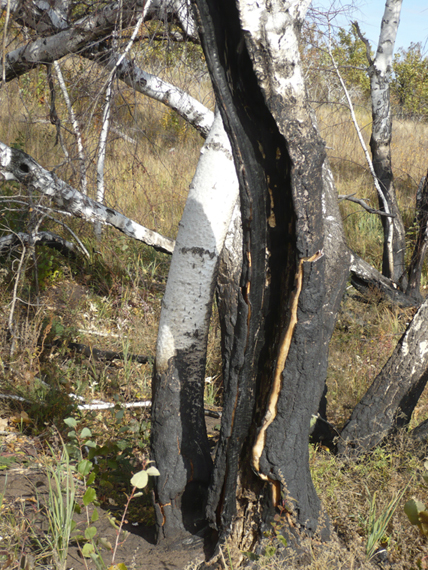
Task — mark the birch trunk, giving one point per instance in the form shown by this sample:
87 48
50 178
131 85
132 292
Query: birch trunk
421 246
179 439
389 402
393 263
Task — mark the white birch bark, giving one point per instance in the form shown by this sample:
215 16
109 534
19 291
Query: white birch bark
102 147
19 166
380 72
76 128
186 305
381 69
82 32
266 27
189 108
183 333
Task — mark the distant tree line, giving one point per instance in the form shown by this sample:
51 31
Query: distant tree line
409 82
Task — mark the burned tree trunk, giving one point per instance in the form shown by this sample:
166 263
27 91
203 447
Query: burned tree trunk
419 252
393 264
286 311
389 402
179 439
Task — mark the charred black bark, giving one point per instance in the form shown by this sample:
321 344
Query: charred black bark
381 154
253 135
186 468
415 268
389 402
368 281
228 279
283 298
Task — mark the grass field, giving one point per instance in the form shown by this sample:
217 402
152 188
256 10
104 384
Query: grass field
112 301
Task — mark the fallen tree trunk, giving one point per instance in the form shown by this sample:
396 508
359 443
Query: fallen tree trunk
368 281
18 165
44 238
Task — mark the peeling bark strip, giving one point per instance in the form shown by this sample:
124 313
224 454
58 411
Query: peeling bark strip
179 439
389 402
17 165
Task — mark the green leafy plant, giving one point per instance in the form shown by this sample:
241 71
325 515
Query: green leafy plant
87 471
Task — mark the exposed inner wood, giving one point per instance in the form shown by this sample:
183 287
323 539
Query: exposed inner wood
277 380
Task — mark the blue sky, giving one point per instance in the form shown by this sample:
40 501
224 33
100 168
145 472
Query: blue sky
413 21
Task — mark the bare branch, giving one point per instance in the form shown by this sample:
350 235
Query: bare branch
365 42
14 298
76 128
390 232
350 198
45 238
189 108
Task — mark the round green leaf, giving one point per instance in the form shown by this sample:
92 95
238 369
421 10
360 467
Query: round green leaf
84 467
152 471
90 532
86 432
95 516
71 422
89 496
91 478
88 549
412 509
140 479
106 544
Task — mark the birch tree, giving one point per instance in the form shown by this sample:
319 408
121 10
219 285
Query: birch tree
380 73
284 302
179 438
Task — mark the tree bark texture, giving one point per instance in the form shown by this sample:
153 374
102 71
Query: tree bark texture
179 439
420 250
393 263
389 402
279 350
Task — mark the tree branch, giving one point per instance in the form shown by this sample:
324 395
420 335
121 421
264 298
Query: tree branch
45 238
350 198
365 42
390 226
17 165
